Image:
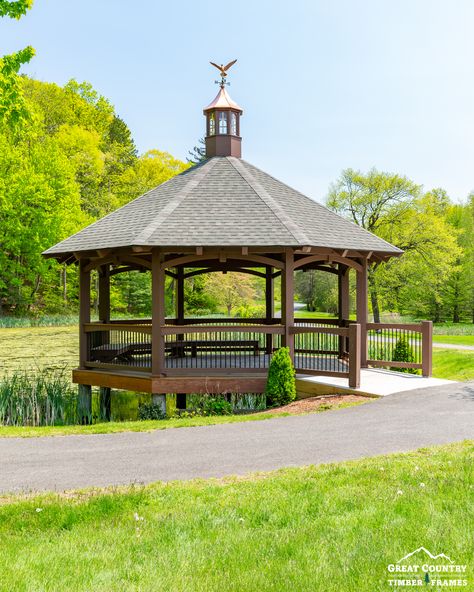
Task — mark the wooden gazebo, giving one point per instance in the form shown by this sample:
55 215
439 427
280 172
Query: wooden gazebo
226 215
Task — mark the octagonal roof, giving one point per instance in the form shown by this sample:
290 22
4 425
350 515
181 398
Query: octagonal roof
224 201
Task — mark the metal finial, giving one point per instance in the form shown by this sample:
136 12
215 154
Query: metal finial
223 71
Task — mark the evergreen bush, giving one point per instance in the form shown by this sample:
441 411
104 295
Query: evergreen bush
281 385
403 352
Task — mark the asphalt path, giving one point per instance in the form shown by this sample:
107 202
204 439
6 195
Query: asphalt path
398 422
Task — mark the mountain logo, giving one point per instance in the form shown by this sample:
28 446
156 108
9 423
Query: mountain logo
430 555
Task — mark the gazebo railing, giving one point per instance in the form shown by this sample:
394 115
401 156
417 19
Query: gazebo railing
328 351
230 347
400 346
242 344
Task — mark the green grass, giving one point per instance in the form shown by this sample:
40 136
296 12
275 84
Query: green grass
332 528
453 364
454 339
113 427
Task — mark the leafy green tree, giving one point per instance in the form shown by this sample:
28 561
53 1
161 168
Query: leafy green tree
394 208
37 187
151 169
13 108
318 290
281 384
230 289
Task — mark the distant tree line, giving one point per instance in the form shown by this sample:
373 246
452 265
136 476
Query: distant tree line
434 279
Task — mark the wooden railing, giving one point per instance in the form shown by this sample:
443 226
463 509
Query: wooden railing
318 351
396 345
321 346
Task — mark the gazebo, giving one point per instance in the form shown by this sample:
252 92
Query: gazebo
225 215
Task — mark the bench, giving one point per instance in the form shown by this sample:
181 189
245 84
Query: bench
121 352
124 352
179 347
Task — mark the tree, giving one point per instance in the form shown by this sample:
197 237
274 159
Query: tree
37 187
394 208
198 153
13 109
318 290
230 289
151 169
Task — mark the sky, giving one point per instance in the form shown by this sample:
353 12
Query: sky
324 84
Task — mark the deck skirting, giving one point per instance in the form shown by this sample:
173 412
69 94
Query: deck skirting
146 383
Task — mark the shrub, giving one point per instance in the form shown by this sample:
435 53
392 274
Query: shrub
215 406
250 311
150 411
402 352
281 386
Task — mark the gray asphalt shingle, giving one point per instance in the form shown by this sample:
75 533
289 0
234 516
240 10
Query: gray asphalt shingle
223 202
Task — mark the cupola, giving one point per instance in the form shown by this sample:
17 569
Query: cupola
223 121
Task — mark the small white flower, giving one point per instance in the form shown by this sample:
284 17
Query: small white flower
241 519
382 469
422 485
39 509
417 468
399 492
137 517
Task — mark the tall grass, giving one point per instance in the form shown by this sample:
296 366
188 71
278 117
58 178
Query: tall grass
40 398
43 321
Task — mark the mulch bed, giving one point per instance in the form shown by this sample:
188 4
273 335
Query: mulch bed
313 403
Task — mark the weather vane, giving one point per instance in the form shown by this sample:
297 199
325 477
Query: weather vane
223 70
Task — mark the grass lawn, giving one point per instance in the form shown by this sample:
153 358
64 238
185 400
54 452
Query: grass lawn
454 339
332 528
453 364
158 424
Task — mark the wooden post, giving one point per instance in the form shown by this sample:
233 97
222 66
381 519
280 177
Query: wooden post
179 304
427 348
157 314
288 301
343 305
269 306
343 292
354 355
104 294
362 310
84 310
84 402
105 410
179 313
105 403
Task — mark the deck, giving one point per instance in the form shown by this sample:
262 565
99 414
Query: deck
233 355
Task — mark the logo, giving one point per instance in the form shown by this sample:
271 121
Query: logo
425 569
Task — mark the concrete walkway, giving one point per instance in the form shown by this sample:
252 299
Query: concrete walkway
397 423
373 382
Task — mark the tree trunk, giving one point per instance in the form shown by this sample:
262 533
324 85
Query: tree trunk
374 299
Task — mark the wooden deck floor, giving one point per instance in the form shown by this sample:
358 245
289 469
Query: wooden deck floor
236 361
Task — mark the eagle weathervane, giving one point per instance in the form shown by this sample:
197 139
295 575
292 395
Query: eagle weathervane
223 70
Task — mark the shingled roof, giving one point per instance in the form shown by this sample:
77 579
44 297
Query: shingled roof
224 201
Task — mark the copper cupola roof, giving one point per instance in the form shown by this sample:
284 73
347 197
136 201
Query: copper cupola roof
223 101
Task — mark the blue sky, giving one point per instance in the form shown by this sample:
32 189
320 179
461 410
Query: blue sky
324 85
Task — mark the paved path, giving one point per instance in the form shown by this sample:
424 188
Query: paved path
400 422
453 346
